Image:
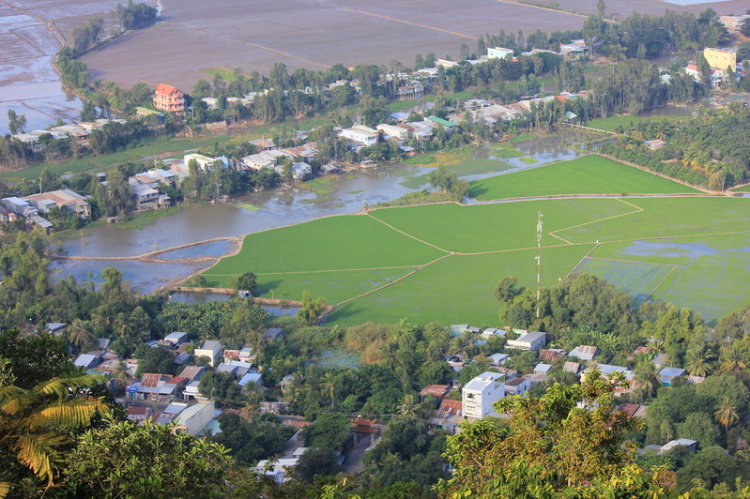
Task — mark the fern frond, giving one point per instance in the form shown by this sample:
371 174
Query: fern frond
73 413
4 490
35 451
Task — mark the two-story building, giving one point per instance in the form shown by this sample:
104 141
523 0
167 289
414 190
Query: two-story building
479 394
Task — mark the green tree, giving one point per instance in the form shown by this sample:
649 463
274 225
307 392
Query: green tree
146 460
247 282
329 431
311 309
316 462
507 289
16 122
700 427
745 28
566 442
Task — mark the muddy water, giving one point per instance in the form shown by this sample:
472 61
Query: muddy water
276 209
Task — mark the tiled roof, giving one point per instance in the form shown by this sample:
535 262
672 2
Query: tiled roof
164 89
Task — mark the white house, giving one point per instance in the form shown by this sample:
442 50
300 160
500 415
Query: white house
517 386
528 341
211 349
393 131
498 53
480 393
195 418
360 133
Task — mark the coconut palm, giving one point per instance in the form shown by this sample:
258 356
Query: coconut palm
733 358
35 422
408 408
80 333
329 384
698 366
120 375
726 415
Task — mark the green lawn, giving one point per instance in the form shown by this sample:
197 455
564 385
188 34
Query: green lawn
584 175
745 188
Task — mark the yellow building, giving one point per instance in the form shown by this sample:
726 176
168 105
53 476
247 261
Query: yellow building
720 59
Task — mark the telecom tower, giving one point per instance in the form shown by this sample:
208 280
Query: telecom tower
539 224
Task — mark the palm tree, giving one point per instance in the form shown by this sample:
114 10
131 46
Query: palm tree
726 415
697 366
329 383
408 408
34 423
120 375
733 358
80 333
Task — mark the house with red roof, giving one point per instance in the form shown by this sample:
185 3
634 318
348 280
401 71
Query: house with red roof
169 98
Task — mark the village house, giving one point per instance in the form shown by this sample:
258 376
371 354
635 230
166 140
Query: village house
195 418
498 53
263 144
64 199
480 394
360 134
721 59
654 144
584 352
211 349
551 355
717 75
497 359
669 374
169 98
138 414
572 367
517 386
733 23
448 415
393 131
528 341
415 90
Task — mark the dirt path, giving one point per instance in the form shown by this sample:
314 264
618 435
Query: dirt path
152 255
410 236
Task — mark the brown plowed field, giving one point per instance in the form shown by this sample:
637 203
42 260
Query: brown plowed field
253 36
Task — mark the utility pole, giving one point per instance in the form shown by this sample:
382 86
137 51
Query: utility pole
539 225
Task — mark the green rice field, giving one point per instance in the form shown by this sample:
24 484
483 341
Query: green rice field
441 262
584 175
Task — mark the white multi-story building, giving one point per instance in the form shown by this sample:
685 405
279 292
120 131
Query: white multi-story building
360 133
480 394
498 53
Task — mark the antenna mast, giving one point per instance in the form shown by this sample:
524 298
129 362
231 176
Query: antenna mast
539 225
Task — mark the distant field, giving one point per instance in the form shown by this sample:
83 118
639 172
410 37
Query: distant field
745 188
441 262
611 123
226 74
584 175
